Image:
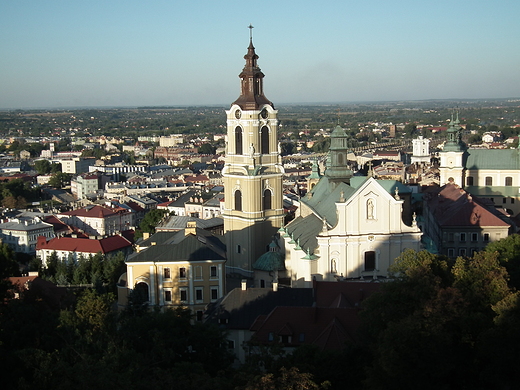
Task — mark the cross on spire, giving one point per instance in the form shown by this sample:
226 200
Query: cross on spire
250 27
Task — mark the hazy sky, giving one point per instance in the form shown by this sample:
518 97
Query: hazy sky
139 53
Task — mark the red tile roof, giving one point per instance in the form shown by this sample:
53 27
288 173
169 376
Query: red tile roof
450 205
84 245
92 212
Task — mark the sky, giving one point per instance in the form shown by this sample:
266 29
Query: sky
119 53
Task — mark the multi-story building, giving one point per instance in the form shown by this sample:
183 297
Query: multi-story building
457 224
98 220
188 270
22 234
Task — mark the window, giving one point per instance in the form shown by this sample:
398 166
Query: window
182 273
198 272
231 344
270 337
214 294
370 261
462 252
512 200
264 140
267 200
486 237
509 181
474 237
262 283
238 200
141 292
167 273
469 180
168 296
213 271
183 294
489 181
198 294
239 249
462 237
504 200
238 140
451 252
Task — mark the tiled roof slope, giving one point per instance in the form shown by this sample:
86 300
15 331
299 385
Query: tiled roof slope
84 245
452 206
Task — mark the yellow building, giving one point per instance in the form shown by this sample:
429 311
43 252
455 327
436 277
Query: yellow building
187 270
253 171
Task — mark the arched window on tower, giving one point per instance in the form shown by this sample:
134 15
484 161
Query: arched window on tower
268 200
238 200
264 140
238 140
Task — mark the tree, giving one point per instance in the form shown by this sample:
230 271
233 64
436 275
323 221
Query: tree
508 252
150 221
426 327
60 180
42 166
207 149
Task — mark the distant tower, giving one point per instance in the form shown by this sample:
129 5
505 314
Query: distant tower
421 150
337 169
253 171
451 164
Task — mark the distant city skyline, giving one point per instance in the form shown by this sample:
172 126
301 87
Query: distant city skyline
169 53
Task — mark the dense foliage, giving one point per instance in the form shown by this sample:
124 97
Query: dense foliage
439 324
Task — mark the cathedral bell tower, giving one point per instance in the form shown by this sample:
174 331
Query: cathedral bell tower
253 208
451 167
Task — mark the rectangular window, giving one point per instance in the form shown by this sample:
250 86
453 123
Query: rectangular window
489 181
512 200
231 344
182 273
167 273
370 261
474 237
462 251
198 272
213 271
168 296
451 252
486 237
451 237
239 249
214 294
198 294
270 336
183 294
462 237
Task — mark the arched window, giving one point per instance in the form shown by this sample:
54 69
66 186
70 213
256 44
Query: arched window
268 200
509 181
238 200
489 181
370 261
238 140
264 140
469 181
141 294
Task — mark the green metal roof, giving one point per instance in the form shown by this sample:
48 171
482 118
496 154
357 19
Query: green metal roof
270 261
492 159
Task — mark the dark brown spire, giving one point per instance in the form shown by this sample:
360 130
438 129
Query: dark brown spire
252 89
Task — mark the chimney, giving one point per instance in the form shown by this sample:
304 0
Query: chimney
191 228
244 284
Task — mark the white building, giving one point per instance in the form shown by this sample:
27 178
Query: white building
22 235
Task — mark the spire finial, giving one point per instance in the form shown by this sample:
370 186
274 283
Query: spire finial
250 27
